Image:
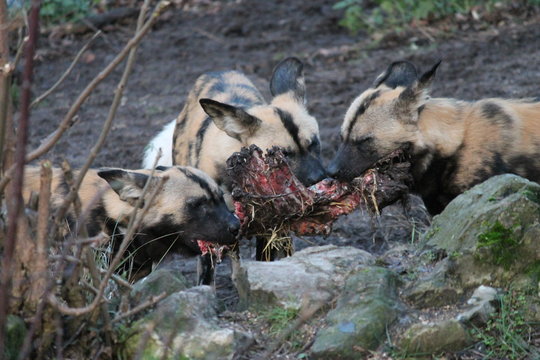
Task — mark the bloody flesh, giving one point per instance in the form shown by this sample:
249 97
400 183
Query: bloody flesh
268 198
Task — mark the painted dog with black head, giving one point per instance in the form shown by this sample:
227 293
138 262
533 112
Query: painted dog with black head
453 144
188 208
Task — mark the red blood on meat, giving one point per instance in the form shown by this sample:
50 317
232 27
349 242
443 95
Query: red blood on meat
268 196
212 248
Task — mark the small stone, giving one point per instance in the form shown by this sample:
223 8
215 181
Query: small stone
481 306
434 338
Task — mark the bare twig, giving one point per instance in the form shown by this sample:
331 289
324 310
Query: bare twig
108 123
6 73
67 121
67 72
41 262
121 282
17 200
148 303
20 51
4 33
209 35
5 85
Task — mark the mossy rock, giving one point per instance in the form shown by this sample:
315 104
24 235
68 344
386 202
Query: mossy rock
486 236
185 326
364 310
508 199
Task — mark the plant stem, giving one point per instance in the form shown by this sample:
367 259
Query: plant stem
15 210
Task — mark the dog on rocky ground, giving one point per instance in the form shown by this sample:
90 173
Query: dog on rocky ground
188 208
453 144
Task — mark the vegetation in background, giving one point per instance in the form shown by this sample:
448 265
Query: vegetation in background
61 11
507 334
53 12
374 15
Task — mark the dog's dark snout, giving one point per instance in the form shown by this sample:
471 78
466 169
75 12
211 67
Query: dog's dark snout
234 227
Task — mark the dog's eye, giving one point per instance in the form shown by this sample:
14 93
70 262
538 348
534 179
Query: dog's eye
287 152
363 141
196 202
314 147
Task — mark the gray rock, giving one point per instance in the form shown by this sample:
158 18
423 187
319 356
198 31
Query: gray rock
317 272
185 325
434 338
363 311
164 280
487 235
435 289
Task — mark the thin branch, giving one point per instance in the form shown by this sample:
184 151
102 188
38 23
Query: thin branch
18 166
19 53
134 222
108 123
5 85
148 303
120 281
67 121
40 269
4 33
67 72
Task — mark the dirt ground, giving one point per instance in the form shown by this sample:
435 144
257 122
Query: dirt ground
479 60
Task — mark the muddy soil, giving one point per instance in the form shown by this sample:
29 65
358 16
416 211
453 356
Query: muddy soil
500 60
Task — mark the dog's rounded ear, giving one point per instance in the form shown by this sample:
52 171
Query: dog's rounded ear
288 76
425 80
399 73
236 122
128 185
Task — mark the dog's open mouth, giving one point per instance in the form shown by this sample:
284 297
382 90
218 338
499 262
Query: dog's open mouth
216 250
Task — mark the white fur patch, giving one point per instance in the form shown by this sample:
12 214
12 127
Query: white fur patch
163 141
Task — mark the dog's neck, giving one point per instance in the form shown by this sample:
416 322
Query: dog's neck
442 123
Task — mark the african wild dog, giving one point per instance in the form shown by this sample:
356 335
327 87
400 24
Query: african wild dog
453 144
224 111
189 207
